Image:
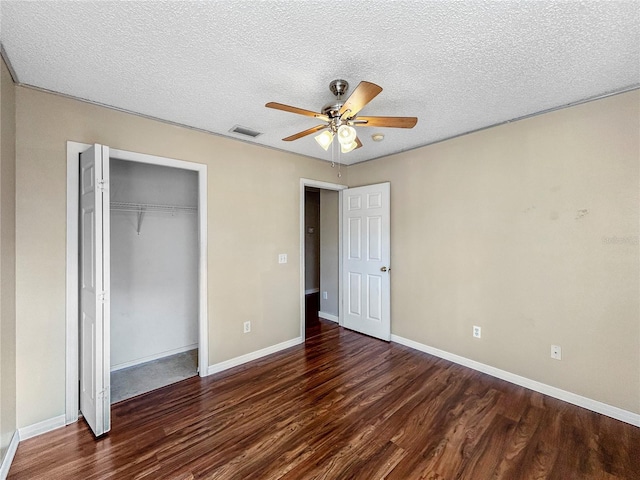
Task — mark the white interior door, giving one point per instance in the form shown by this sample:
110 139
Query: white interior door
366 252
95 401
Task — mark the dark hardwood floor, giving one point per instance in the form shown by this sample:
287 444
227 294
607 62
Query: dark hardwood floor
342 406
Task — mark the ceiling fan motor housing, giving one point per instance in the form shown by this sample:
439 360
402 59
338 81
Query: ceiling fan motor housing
332 109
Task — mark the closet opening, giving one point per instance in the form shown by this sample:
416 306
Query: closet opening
154 277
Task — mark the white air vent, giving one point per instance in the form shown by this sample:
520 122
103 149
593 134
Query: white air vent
245 131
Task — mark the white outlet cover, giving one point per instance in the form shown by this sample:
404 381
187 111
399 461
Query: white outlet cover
477 332
282 258
556 352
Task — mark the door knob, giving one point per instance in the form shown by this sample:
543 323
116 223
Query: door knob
383 269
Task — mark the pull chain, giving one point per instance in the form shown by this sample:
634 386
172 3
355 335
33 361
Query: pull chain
333 150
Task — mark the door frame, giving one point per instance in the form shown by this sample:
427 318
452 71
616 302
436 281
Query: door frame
72 406
306 182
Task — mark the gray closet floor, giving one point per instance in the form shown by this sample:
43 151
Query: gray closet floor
132 381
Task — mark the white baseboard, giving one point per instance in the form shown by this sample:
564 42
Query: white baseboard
328 316
41 427
311 290
155 356
8 457
575 399
234 362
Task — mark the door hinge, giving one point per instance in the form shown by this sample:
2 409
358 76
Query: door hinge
102 185
103 394
102 296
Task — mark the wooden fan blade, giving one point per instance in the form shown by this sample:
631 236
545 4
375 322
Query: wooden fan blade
358 142
299 111
304 133
395 122
363 94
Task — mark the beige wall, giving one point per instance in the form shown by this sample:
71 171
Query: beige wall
7 259
251 189
529 230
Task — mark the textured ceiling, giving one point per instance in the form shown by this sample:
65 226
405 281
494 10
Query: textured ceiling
457 66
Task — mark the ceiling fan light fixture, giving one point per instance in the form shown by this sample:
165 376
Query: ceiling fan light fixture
346 135
346 148
324 139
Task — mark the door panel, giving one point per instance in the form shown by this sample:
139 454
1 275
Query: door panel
94 286
366 225
354 294
374 295
355 238
374 232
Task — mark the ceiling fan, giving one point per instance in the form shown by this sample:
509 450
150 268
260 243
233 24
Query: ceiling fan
341 116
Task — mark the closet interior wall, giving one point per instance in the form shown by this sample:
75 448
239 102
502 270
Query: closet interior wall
154 262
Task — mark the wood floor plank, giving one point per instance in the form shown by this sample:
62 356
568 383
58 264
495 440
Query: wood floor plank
512 454
341 406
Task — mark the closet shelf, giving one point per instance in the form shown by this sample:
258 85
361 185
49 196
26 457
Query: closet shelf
150 207
142 208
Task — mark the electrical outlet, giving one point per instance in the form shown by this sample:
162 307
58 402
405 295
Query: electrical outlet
477 332
247 327
556 352
282 258
325 295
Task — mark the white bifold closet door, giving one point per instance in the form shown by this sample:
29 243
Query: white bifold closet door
366 254
95 399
